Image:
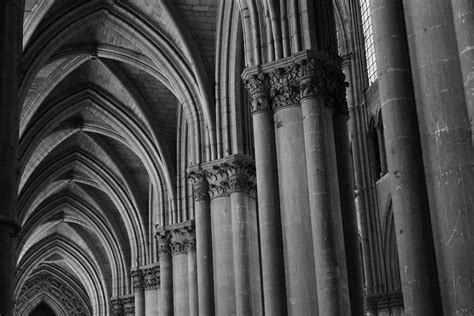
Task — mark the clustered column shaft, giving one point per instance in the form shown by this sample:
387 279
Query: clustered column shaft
151 283
138 288
318 111
202 209
307 95
229 185
271 247
177 247
235 236
166 277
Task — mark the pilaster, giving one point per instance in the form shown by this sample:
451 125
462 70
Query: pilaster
232 190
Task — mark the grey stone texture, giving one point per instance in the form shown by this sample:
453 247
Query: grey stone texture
205 157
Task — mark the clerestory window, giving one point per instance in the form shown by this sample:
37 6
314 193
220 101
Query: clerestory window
368 40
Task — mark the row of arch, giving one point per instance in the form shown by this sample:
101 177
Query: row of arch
73 187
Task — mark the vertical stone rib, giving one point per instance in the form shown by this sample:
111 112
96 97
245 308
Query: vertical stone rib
410 208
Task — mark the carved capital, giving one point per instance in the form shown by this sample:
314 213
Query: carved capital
181 240
241 175
258 86
200 186
218 182
191 242
163 240
234 174
116 306
313 76
151 278
128 305
284 87
137 280
308 77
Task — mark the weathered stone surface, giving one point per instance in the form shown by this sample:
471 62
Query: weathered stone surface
191 157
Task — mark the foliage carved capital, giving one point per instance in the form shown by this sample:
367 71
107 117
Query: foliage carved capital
200 185
258 86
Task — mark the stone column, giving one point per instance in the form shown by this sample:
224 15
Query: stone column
463 15
166 276
151 280
294 202
245 248
138 288
404 158
179 238
203 253
271 245
192 275
448 152
10 43
357 134
345 174
316 78
222 254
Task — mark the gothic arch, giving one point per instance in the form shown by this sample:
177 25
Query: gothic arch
80 264
55 287
182 75
68 208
